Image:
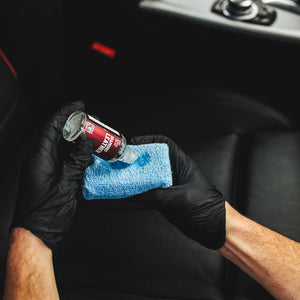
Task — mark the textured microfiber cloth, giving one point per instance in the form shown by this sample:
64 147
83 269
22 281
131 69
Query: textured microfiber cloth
108 180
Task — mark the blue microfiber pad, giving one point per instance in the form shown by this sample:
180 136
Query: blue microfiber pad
108 180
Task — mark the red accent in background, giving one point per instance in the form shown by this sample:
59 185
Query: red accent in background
104 49
12 69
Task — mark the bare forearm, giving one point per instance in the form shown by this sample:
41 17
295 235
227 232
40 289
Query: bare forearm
29 270
269 258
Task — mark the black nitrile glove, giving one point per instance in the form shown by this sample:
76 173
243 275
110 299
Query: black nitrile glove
49 180
192 204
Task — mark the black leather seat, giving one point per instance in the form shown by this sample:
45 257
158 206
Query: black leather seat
31 48
120 249
10 97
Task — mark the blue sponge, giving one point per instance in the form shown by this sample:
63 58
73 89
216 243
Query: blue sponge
108 180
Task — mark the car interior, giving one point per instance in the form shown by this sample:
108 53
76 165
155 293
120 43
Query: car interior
217 77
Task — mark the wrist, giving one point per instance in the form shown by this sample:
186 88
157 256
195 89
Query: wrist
262 254
237 226
23 240
29 268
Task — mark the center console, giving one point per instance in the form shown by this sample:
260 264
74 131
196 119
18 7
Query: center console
270 18
245 10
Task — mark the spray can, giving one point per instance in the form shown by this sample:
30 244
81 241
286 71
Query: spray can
110 145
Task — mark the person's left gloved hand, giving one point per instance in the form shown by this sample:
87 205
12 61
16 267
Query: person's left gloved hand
193 204
49 180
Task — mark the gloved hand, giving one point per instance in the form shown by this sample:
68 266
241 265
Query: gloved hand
192 204
49 180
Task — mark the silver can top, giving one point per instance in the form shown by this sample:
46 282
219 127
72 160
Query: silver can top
74 126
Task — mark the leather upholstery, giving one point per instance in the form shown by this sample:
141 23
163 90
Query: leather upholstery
33 37
123 249
9 100
147 256
10 94
126 250
272 180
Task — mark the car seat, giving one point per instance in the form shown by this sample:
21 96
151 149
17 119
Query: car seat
120 249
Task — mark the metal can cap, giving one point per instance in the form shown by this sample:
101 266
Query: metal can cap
74 126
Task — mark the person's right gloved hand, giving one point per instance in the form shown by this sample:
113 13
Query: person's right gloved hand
192 204
50 178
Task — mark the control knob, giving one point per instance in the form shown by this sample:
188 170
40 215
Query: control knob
240 9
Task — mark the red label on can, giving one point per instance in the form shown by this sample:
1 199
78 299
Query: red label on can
107 144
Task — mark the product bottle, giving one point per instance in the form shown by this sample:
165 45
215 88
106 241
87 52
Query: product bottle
110 145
